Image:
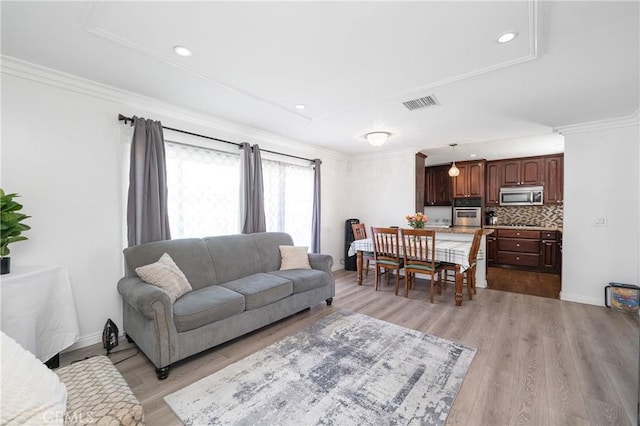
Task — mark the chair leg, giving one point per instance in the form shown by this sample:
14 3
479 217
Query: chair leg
408 280
431 292
366 267
397 282
377 277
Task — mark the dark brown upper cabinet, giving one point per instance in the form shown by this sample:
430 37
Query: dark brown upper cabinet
470 182
554 179
437 186
522 171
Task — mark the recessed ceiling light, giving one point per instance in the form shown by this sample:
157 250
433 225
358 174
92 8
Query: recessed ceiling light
181 50
507 37
301 106
472 155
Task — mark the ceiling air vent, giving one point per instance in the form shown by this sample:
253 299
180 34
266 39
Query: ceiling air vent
427 101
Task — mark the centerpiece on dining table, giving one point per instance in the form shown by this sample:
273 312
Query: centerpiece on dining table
417 220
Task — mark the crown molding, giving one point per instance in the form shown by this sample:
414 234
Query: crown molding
610 123
133 102
358 158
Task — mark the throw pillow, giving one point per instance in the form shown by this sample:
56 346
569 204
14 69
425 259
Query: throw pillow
31 393
166 275
294 258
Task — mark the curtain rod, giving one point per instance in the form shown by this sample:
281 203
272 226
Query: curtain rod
126 119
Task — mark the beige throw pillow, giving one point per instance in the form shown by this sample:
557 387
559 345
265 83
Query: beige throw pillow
294 258
166 275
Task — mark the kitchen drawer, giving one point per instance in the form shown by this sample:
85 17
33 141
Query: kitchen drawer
519 259
518 233
550 235
525 246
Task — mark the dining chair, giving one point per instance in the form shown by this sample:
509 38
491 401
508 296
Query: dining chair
360 233
386 253
469 275
418 246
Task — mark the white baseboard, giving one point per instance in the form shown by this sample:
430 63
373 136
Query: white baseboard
567 297
88 340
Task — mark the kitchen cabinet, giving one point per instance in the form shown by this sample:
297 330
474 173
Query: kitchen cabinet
437 186
554 179
492 249
526 249
550 251
518 248
493 181
470 181
522 171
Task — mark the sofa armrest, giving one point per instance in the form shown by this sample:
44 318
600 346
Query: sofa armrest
323 262
142 296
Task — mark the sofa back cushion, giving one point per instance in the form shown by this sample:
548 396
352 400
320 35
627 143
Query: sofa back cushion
236 256
189 254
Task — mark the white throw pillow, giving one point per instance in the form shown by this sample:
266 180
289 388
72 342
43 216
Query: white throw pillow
166 275
31 393
294 257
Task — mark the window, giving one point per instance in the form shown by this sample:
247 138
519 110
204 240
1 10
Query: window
288 199
204 191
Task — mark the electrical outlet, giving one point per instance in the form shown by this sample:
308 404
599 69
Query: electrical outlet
601 221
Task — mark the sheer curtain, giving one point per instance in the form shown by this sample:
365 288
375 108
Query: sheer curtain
147 216
204 191
288 199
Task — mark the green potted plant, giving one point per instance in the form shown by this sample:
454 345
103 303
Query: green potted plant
11 227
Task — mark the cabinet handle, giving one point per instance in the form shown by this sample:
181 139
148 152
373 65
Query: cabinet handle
517 258
517 233
517 245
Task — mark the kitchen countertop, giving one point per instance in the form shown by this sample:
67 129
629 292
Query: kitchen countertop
526 228
459 230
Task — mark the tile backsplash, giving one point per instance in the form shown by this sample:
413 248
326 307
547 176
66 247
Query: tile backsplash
550 216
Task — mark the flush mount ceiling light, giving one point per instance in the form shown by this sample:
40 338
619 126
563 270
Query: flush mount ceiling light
301 106
507 37
181 50
377 138
454 171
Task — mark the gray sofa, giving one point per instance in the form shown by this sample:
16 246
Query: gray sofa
237 288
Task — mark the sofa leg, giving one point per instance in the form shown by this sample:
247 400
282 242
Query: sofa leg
329 301
162 373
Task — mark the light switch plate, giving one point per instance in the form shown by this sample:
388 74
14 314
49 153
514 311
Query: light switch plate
601 221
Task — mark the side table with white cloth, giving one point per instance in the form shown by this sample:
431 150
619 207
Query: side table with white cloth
38 310
456 252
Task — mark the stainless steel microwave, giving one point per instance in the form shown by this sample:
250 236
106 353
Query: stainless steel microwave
521 196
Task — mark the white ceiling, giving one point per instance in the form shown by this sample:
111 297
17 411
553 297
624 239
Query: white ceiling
354 63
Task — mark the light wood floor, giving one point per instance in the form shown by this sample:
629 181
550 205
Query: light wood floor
540 361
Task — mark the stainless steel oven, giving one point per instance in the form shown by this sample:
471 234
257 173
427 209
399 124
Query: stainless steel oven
467 212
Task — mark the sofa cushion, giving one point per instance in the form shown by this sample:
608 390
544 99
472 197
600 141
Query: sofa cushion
304 280
261 289
207 305
294 257
189 254
166 275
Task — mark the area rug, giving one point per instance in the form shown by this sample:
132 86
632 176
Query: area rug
345 369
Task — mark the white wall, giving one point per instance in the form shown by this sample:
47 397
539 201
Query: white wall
382 188
62 151
601 180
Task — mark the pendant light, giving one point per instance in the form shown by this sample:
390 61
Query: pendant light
454 171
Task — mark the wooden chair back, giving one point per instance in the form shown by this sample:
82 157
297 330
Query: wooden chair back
419 247
359 231
475 247
386 244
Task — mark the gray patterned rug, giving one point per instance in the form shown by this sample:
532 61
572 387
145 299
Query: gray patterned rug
345 369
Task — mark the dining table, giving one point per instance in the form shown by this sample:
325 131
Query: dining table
455 252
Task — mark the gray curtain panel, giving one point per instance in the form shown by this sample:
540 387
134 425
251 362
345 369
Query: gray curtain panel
315 221
254 215
147 213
